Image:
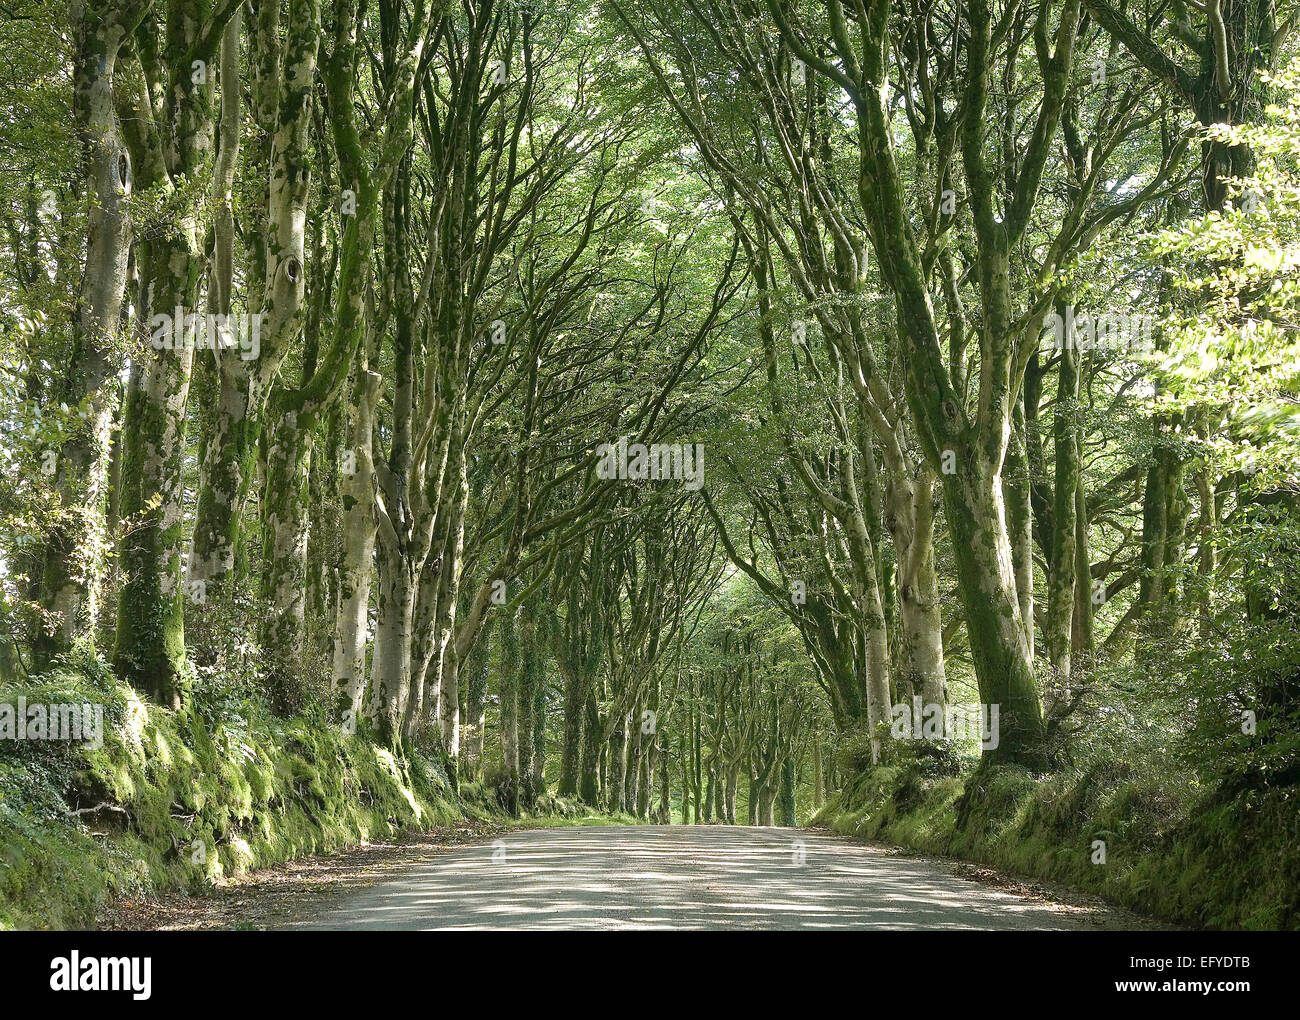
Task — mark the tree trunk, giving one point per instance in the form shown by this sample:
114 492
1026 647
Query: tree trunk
645 775
538 785
766 800
615 777
150 651
448 594
508 699
665 785
910 510
73 559
632 780
1082 628
575 700
1020 523
1061 576
819 780
685 759
476 685
1003 666
227 452
589 787
787 793
530 682
390 666
355 564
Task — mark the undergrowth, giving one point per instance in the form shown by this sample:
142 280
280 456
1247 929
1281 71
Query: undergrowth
1127 822
178 799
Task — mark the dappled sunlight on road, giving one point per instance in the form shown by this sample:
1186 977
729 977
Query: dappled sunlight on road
681 877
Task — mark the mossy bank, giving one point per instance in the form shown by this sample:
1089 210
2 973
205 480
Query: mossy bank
177 799
1143 834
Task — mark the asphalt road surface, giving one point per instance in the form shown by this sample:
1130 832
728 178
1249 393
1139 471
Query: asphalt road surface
684 877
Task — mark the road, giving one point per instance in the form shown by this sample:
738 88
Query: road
683 877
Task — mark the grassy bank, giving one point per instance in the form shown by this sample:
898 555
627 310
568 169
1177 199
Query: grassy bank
177 799
1172 848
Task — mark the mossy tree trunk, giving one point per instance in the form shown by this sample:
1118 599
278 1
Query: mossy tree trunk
537 786
1061 580
819 778
1017 485
508 702
476 687
170 142
909 512
150 648
787 792
646 761
529 684
355 569
1082 627
616 785
632 777
589 781
284 555
665 781
452 648
229 439
72 562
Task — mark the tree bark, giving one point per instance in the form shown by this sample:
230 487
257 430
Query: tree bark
1061 594
355 564
73 559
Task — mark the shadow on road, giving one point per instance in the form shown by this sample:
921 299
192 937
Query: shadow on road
683 877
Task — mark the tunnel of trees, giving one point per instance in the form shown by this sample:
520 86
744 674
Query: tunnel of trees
662 406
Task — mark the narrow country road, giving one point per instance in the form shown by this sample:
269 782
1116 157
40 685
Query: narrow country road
683 877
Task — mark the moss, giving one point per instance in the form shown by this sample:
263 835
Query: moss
1174 850
179 799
